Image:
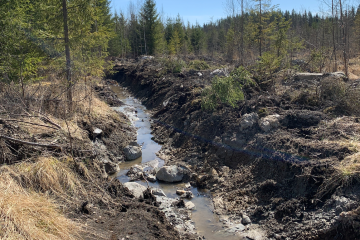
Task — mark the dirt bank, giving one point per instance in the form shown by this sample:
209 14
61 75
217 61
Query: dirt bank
278 159
60 163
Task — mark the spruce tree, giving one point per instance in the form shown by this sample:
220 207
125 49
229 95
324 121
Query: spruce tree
149 19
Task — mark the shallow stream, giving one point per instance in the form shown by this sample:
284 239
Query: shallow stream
206 222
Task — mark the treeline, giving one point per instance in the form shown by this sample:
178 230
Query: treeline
72 38
245 35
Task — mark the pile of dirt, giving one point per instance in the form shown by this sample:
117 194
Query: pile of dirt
268 158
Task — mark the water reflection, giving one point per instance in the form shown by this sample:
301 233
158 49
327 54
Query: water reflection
206 222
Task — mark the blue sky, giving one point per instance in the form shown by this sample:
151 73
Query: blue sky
203 11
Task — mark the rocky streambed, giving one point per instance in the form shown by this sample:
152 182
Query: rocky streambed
275 160
189 209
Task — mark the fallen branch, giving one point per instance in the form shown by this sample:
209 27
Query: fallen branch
15 120
30 143
46 119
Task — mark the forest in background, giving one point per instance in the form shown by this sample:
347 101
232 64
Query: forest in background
262 30
33 42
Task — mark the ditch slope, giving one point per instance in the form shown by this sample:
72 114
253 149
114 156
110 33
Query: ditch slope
285 168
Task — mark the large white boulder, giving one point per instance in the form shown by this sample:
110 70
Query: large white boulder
135 188
147 57
308 76
170 174
220 73
270 122
248 120
132 151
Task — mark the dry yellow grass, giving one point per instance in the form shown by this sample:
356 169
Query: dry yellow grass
85 102
350 166
344 175
50 174
28 215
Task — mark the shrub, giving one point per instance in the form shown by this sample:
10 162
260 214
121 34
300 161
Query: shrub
173 65
226 90
242 77
198 65
350 103
345 97
333 89
221 90
266 66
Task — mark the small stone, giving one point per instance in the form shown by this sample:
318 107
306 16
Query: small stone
151 178
180 192
246 220
135 170
236 228
135 188
97 132
158 192
185 194
111 168
190 205
213 172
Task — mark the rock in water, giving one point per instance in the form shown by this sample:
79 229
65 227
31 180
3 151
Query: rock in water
132 151
134 170
136 189
236 228
185 194
158 192
170 174
151 178
190 205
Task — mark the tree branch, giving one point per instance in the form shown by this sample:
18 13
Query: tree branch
15 120
30 143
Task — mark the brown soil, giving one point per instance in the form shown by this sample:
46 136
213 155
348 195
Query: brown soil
283 180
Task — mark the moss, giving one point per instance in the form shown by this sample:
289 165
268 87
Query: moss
263 112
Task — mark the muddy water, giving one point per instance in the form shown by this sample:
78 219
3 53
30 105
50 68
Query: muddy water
206 222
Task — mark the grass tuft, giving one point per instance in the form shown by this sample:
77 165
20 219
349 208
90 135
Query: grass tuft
346 174
28 215
50 174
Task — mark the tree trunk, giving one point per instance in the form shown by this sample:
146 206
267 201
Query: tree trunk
260 30
67 54
242 34
333 34
343 28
